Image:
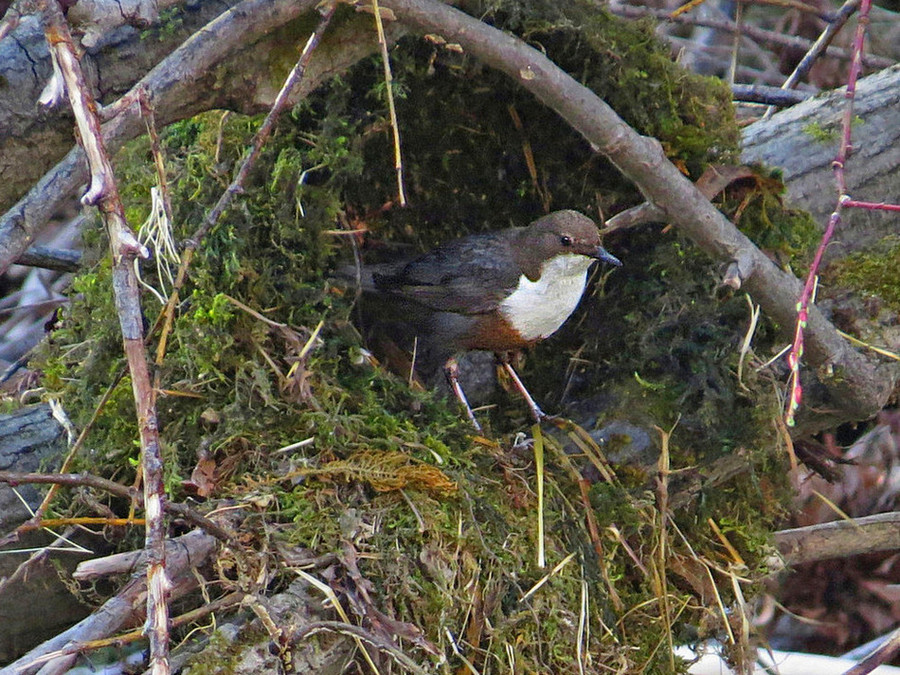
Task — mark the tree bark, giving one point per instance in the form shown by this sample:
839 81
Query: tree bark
799 141
236 62
31 439
840 539
31 139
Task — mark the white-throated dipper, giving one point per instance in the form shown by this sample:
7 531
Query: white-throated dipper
501 291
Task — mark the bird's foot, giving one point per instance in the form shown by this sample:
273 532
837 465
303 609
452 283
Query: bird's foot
539 415
556 420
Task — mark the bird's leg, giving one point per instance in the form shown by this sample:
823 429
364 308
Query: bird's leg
451 370
536 412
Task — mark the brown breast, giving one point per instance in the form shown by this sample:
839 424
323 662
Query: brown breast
493 332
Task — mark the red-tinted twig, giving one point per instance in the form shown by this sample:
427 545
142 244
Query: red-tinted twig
871 206
796 393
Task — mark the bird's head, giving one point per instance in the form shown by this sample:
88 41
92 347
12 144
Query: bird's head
560 233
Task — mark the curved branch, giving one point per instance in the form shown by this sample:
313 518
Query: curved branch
859 387
180 86
174 86
33 139
226 64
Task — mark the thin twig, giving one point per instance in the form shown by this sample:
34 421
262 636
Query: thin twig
42 306
156 150
882 655
799 6
58 259
356 632
174 85
293 79
119 641
389 91
870 206
125 248
36 558
641 214
775 96
822 43
82 437
806 296
125 607
98 483
758 34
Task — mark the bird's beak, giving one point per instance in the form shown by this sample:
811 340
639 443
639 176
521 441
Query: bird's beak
607 257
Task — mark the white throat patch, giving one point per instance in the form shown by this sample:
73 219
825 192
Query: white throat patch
536 309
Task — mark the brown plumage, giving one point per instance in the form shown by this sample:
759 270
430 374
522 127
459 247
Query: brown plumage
501 291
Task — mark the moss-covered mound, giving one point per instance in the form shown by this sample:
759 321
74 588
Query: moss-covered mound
441 526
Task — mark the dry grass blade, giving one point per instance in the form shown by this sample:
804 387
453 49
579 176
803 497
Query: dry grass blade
539 470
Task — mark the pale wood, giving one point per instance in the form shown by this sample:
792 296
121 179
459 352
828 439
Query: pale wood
788 141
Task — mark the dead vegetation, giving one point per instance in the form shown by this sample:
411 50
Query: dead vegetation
362 522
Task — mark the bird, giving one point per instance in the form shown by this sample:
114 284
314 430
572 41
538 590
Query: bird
500 291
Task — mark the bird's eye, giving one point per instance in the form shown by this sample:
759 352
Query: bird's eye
565 240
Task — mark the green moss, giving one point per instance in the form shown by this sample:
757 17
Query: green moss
819 134
828 134
220 657
237 386
872 272
170 22
758 207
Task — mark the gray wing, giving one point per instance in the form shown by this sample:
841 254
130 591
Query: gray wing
467 276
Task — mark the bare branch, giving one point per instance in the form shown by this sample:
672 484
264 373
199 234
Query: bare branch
122 610
185 83
268 124
379 643
840 539
859 387
758 93
821 44
881 656
173 88
125 248
760 35
98 483
62 260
